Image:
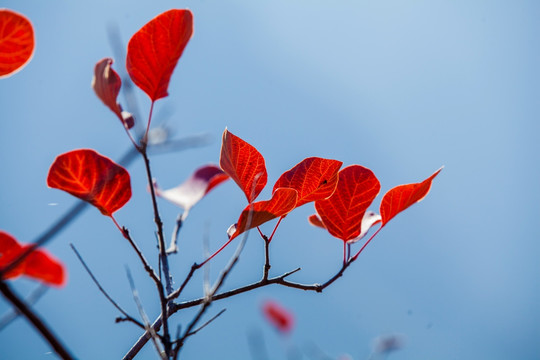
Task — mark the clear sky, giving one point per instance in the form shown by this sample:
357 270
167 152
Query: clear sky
401 87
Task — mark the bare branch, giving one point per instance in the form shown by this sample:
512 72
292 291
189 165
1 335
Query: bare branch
30 300
126 315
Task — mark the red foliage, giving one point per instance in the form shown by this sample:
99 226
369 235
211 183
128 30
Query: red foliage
187 194
106 83
155 49
39 264
401 197
244 164
314 178
282 202
278 316
91 177
16 42
342 213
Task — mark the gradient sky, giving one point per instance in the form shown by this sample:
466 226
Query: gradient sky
401 87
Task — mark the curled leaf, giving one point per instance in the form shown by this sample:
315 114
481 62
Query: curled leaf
282 202
155 49
278 316
16 42
342 213
314 178
244 164
91 177
401 197
106 83
39 264
187 194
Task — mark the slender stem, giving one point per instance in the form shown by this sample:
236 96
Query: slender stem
267 265
275 228
367 242
127 316
33 298
145 137
177 293
33 318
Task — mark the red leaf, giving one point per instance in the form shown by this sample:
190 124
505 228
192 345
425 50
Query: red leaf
244 164
16 42
315 220
369 219
91 177
106 83
195 188
342 213
39 264
282 202
154 50
401 197
278 316
314 178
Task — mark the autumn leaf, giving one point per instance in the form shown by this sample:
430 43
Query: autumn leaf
278 316
106 83
401 197
314 178
187 194
91 177
39 264
16 42
155 49
342 213
369 219
282 202
244 164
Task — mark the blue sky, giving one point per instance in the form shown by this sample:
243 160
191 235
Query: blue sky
399 87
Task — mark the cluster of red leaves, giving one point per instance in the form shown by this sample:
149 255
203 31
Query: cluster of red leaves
16 42
39 264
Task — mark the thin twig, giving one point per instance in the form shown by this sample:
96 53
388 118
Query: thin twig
173 247
33 298
34 319
155 338
127 316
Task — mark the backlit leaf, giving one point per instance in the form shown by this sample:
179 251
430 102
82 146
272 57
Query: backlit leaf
370 218
401 197
314 178
16 42
282 202
278 316
154 50
244 164
342 213
91 177
195 188
106 83
39 264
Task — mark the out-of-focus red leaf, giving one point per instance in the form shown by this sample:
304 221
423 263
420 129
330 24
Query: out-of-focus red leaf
244 164
278 316
342 213
154 50
195 188
39 264
401 197
282 202
16 42
314 178
370 218
106 83
91 177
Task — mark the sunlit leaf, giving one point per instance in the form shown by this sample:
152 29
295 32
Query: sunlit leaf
16 42
401 197
342 213
244 164
39 264
282 202
187 194
106 83
91 177
370 218
278 316
154 50
314 178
